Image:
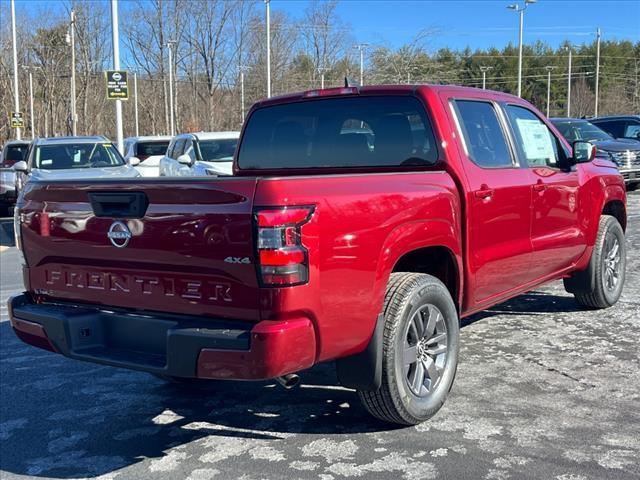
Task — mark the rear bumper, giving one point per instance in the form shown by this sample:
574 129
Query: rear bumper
166 344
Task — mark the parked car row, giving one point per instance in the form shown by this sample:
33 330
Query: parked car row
617 138
83 157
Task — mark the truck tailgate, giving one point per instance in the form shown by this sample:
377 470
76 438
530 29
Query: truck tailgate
191 252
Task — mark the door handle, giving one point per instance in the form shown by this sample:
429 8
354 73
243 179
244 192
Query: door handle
484 193
539 186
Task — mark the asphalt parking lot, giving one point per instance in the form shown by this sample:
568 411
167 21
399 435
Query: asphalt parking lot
544 391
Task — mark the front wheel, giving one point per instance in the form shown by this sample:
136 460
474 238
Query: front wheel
600 286
420 350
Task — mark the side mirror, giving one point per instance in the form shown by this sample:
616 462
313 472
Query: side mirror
20 166
583 152
133 161
184 159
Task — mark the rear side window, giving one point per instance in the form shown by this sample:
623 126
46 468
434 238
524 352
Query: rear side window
14 153
148 149
615 128
483 136
339 132
178 148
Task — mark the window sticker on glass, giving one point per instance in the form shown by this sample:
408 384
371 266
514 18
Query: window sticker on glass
536 142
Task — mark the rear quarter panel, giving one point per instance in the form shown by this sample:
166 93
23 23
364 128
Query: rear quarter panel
361 226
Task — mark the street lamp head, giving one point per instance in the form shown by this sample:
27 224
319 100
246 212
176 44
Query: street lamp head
528 2
513 6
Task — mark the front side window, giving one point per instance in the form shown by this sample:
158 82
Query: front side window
350 131
483 135
632 130
220 150
533 138
77 155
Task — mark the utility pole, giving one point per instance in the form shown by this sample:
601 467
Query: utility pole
16 96
568 47
598 35
172 127
115 40
72 41
484 70
268 21
135 101
549 68
520 10
361 47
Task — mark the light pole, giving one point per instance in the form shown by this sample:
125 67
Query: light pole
321 71
549 69
242 68
115 40
361 47
268 22
520 10
135 100
598 35
568 48
484 70
16 96
32 120
71 40
172 126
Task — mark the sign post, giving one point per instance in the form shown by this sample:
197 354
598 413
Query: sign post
117 85
17 120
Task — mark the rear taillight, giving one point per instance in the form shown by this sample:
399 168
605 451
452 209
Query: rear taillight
7 163
282 258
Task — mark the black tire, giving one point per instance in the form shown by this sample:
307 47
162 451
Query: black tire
407 297
592 288
632 187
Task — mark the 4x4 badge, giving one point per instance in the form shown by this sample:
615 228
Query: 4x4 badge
119 234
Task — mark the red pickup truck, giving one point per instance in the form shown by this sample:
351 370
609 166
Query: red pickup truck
360 226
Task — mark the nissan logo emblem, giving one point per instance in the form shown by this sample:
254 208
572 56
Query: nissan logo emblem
119 234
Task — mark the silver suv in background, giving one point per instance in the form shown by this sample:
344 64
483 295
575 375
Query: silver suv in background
624 152
62 158
200 154
148 151
13 151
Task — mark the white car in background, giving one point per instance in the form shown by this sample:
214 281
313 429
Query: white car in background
72 158
148 150
200 154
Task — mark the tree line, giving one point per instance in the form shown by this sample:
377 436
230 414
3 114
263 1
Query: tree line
219 46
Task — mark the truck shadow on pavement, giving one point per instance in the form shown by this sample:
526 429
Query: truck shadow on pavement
66 419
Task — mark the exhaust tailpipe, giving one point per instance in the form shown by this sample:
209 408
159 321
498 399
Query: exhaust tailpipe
288 381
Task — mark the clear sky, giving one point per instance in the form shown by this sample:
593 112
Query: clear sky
483 23
478 24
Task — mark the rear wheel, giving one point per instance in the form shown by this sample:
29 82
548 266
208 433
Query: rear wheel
420 350
600 286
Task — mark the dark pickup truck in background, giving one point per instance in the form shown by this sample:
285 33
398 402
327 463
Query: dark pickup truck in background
623 151
361 225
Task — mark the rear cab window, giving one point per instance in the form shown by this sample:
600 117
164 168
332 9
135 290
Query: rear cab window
355 131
